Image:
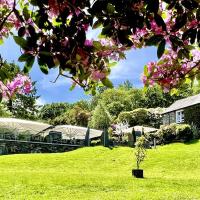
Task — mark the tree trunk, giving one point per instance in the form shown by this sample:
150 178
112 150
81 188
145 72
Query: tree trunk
10 105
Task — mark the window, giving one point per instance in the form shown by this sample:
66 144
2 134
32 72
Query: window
179 116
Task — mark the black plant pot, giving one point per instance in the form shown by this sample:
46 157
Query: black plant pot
138 173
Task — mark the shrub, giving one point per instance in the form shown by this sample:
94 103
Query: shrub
138 116
127 117
155 117
184 132
140 151
195 131
174 132
96 142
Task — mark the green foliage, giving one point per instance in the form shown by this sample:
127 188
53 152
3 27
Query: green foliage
116 100
100 118
24 105
8 71
51 111
174 132
195 131
140 151
4 112
155 117
75 115
138 116
184 132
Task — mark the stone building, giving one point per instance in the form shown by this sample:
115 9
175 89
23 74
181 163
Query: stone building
176 112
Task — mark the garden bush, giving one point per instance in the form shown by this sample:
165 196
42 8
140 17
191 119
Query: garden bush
174 132
138 116
184 132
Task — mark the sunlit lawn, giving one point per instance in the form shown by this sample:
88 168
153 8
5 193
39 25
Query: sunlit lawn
171 172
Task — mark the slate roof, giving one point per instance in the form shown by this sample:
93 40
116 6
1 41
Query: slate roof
76 132
21 125
183 103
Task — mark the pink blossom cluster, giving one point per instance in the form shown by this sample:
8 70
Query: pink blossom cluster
98 75
21 84
12 21
169 70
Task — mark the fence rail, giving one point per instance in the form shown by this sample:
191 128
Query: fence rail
43 143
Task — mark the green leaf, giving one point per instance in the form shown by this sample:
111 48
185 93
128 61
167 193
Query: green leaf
21 42
106 30
112 64
161 48
44 69
78 57
97 24
72 86
97 45
187 80
110 8
154 40
189 47
1 41
183 53
45 53
26 13
173 91
29 64
146 73
1 97
24 57
106 82
3 74
34 2
122 55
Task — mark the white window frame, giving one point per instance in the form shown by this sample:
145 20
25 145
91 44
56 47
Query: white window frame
179 116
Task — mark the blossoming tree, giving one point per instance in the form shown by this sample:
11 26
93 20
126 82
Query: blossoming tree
55 33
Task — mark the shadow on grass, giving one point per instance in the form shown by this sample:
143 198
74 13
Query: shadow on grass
192 142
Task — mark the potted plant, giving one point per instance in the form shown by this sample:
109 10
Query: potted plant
140 154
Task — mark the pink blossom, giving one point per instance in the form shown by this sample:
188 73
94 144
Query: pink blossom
19 85
88 43
97 75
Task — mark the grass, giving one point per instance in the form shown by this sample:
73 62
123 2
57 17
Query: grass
171 172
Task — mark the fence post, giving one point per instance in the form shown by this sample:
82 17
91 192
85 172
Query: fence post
87 137
154 143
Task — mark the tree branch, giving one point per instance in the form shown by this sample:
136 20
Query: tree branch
4 20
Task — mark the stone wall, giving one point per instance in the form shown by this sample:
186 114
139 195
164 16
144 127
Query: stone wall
169 118
166 119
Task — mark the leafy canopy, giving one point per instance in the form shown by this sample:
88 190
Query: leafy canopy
53 33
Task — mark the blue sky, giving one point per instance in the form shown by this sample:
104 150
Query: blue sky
129 69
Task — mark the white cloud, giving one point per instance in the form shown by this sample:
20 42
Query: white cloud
40 101
48 81
93 34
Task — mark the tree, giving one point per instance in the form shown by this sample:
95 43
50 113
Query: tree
172 26
77 115
116 100
24 105
12 82
20 93
4 112
51 111
100 118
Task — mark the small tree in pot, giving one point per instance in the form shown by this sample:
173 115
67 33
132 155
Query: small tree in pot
140 154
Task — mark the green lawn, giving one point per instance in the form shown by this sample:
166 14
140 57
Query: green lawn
171 172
